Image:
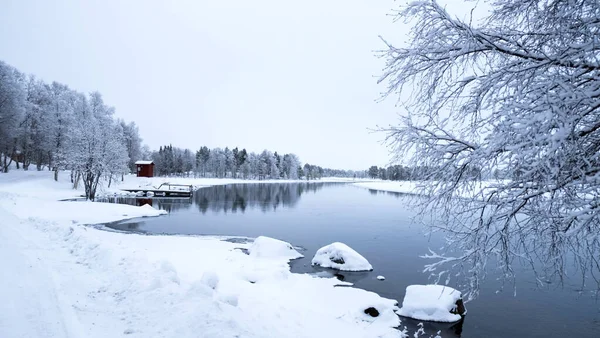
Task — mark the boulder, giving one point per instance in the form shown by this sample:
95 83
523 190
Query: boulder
437 303
342 257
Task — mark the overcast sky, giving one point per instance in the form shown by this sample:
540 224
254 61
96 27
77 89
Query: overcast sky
288 76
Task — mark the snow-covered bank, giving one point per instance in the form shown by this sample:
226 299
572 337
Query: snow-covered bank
418 187
406 187
133 182
68 280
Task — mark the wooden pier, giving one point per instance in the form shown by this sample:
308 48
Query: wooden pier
165 190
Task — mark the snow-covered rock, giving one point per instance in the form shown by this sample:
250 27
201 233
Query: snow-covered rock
437 303
273 248
342 257
380 277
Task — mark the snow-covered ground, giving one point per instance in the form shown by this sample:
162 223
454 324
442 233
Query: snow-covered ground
63 279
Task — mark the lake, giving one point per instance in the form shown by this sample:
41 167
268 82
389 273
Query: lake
378 225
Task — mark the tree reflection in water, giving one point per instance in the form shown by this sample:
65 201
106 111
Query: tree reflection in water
230 198
263 196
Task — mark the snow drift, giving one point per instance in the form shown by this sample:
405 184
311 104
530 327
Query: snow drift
271 247
342 257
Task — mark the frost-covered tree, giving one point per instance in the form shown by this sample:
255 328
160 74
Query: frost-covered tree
229 161
59 125
290 164
202 157
518 91
114 149
12 104
34 141
133 142
97 145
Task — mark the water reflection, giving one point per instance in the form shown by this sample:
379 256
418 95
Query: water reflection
163 203
264 196
446 330
230 198
389 193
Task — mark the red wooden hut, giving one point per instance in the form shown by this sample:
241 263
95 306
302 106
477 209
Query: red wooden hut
145 168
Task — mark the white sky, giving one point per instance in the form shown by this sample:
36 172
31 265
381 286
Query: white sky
263 74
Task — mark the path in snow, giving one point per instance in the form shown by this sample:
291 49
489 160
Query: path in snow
29 305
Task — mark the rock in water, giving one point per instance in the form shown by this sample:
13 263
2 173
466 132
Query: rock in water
342 257
372 312
437 303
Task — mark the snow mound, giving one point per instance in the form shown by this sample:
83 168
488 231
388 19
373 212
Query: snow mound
342 257
380 277
435 303
230 299
273 248
210 279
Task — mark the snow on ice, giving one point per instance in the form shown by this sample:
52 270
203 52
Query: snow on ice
342 257
431 302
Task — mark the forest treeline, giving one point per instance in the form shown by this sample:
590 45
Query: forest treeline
407 173
236 163
51 126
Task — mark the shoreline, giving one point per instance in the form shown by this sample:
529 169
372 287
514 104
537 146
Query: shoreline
141 285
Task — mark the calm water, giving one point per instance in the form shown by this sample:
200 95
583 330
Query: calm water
377 225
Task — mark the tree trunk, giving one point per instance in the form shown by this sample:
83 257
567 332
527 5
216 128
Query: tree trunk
110 180
5 165
56 174
77 178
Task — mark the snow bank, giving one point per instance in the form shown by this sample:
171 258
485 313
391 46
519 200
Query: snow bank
270 247
417 187
431 302
406 187
76 212
342 257
133 182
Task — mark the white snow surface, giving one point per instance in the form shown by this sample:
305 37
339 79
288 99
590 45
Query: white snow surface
267 247
430 303
419 187
64 279
342 257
